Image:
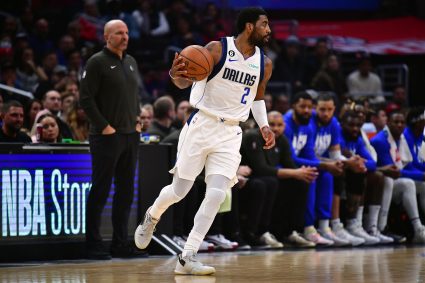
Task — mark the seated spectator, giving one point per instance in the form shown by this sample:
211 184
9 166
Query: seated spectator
363 81
12 117
50 129
164 115
31 109
399 99
52 102
29 75
146 116
185 34
40 40
289 65
9 78
268 100
150 20
315 61
78 122
180 112
68 100
330 78
281 103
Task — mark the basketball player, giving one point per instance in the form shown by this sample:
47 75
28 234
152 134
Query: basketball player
212 137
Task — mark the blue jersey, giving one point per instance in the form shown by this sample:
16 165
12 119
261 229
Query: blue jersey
414 146
325 136
358 147
301 139
382 147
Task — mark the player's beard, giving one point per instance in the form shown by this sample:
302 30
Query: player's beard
256 39
302 119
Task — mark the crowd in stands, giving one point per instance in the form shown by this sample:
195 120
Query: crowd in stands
348 166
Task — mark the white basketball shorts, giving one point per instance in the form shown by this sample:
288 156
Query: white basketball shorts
211 142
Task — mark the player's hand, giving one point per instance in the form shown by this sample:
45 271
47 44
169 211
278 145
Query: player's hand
108 130
268 137
178 69
306 173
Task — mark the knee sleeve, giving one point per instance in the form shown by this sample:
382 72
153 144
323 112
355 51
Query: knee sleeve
213 199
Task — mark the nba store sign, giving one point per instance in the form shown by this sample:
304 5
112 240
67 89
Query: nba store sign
43 194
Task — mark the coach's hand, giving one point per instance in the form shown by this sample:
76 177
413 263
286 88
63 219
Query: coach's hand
268 137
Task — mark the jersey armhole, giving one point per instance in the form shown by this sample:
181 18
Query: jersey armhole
261 65
220 64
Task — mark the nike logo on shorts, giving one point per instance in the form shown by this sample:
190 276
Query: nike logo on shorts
112 67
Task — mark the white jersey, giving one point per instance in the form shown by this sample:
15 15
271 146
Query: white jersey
232 86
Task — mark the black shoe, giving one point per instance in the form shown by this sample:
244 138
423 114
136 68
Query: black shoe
398 239
242 245
97 251
254 240
126 251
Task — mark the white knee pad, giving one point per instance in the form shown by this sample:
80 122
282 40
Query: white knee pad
213 199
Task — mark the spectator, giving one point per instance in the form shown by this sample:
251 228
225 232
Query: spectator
40 40
68 100
75 64
52 102
9 78
78 122
12 116
330 78
146 116
164 115
363 81
150 20
268 100
185 35
180 112
315 61
29 75
65 46
281 103
289 65
32 107
50 129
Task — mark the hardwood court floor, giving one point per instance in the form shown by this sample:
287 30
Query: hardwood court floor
388 264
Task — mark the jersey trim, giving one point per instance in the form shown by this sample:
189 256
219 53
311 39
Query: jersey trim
220 64
261 65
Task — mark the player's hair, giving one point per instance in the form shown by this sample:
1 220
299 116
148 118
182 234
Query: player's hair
248 15
326 96
12 103
301 95
349 114
394 112
415 114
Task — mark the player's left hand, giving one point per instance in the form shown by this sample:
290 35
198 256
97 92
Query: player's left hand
268 137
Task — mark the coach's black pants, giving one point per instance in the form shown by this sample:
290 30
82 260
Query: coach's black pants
112 156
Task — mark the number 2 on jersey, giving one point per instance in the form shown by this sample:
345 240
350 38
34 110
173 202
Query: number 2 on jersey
245 94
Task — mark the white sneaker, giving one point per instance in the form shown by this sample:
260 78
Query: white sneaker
220 242
327 233
311 235
383 239
419 237
299 241
269 239
191 266
341 233
358 231
144 232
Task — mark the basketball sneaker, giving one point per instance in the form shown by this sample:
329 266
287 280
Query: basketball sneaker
144 231
311 235
242 245
358 231
220 242
269 239
419 236
298 241
327 233
189 265
383 239
339 231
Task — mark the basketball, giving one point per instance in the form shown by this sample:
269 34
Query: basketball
199 62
